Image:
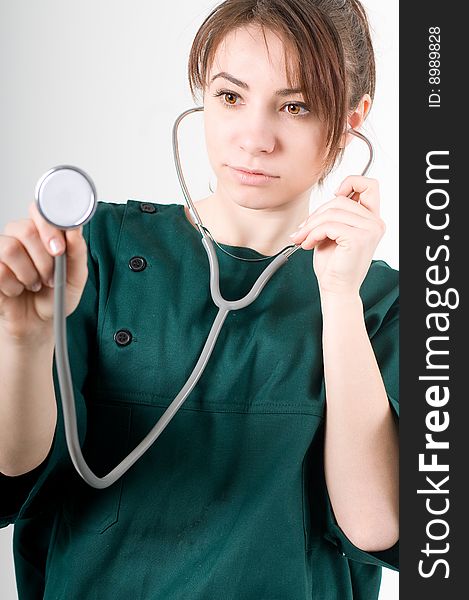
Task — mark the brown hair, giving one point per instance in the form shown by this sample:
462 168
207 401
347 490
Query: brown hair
332 38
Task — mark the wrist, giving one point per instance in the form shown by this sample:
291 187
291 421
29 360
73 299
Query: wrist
348 304
38 340
336 298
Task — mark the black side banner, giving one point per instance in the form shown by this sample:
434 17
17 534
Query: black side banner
434 319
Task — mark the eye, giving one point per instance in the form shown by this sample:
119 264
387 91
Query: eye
297 105
227 94
232 96
229 101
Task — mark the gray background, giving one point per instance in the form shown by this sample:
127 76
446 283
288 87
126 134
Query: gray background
98 84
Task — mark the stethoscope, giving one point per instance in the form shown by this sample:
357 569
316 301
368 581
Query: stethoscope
66 197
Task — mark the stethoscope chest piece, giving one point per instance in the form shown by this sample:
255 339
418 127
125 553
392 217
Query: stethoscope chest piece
66 197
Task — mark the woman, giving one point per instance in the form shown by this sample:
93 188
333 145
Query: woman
278 477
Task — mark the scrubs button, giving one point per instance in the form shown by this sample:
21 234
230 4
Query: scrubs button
123 337
137 263
147 208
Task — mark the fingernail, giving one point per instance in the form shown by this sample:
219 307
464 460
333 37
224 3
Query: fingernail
337 191
55 245
50 283
36 287
301 224
292 235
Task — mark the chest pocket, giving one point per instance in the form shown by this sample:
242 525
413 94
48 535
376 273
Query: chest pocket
86 508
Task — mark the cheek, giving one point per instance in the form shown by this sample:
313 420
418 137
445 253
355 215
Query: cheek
215 147
211 143
218 140
308 143
304 154
213 131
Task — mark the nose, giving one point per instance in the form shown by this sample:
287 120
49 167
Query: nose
256 133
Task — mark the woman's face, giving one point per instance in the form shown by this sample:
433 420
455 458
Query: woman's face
253 124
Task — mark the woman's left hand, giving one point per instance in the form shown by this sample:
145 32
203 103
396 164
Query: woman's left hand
344 233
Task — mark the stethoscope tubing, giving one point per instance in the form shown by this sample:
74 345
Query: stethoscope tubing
65 380
224 307
68 398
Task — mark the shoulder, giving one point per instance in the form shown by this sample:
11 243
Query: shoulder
109 214
380 274
380 294
104 229
381 280
101 232
112 213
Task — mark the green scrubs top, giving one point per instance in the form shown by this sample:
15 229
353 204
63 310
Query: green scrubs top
230 502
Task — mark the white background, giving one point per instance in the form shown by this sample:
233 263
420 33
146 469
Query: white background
99 85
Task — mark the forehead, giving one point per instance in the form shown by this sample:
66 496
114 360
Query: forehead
252 47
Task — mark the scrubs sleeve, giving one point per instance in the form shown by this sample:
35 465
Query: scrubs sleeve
382 320
29 494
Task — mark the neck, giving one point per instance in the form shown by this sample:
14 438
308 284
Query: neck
265 229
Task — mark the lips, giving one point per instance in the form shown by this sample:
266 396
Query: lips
248 178
252 171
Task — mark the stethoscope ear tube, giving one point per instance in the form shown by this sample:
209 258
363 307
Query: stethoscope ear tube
370 149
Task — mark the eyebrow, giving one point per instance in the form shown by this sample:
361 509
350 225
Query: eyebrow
242 84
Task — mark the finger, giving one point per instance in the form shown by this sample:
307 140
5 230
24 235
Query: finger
338 232
17 264
332 215
340 202
26 232
70 240
52 237
9 284
344 203
366 187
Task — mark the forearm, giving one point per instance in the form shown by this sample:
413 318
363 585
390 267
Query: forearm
28 410
361 436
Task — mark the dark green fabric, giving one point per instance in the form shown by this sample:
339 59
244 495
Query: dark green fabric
230 502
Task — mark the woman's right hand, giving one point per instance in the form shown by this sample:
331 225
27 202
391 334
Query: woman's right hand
27 259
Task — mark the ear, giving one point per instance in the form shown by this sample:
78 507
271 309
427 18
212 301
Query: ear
356 118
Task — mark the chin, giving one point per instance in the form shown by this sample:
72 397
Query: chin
251 197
